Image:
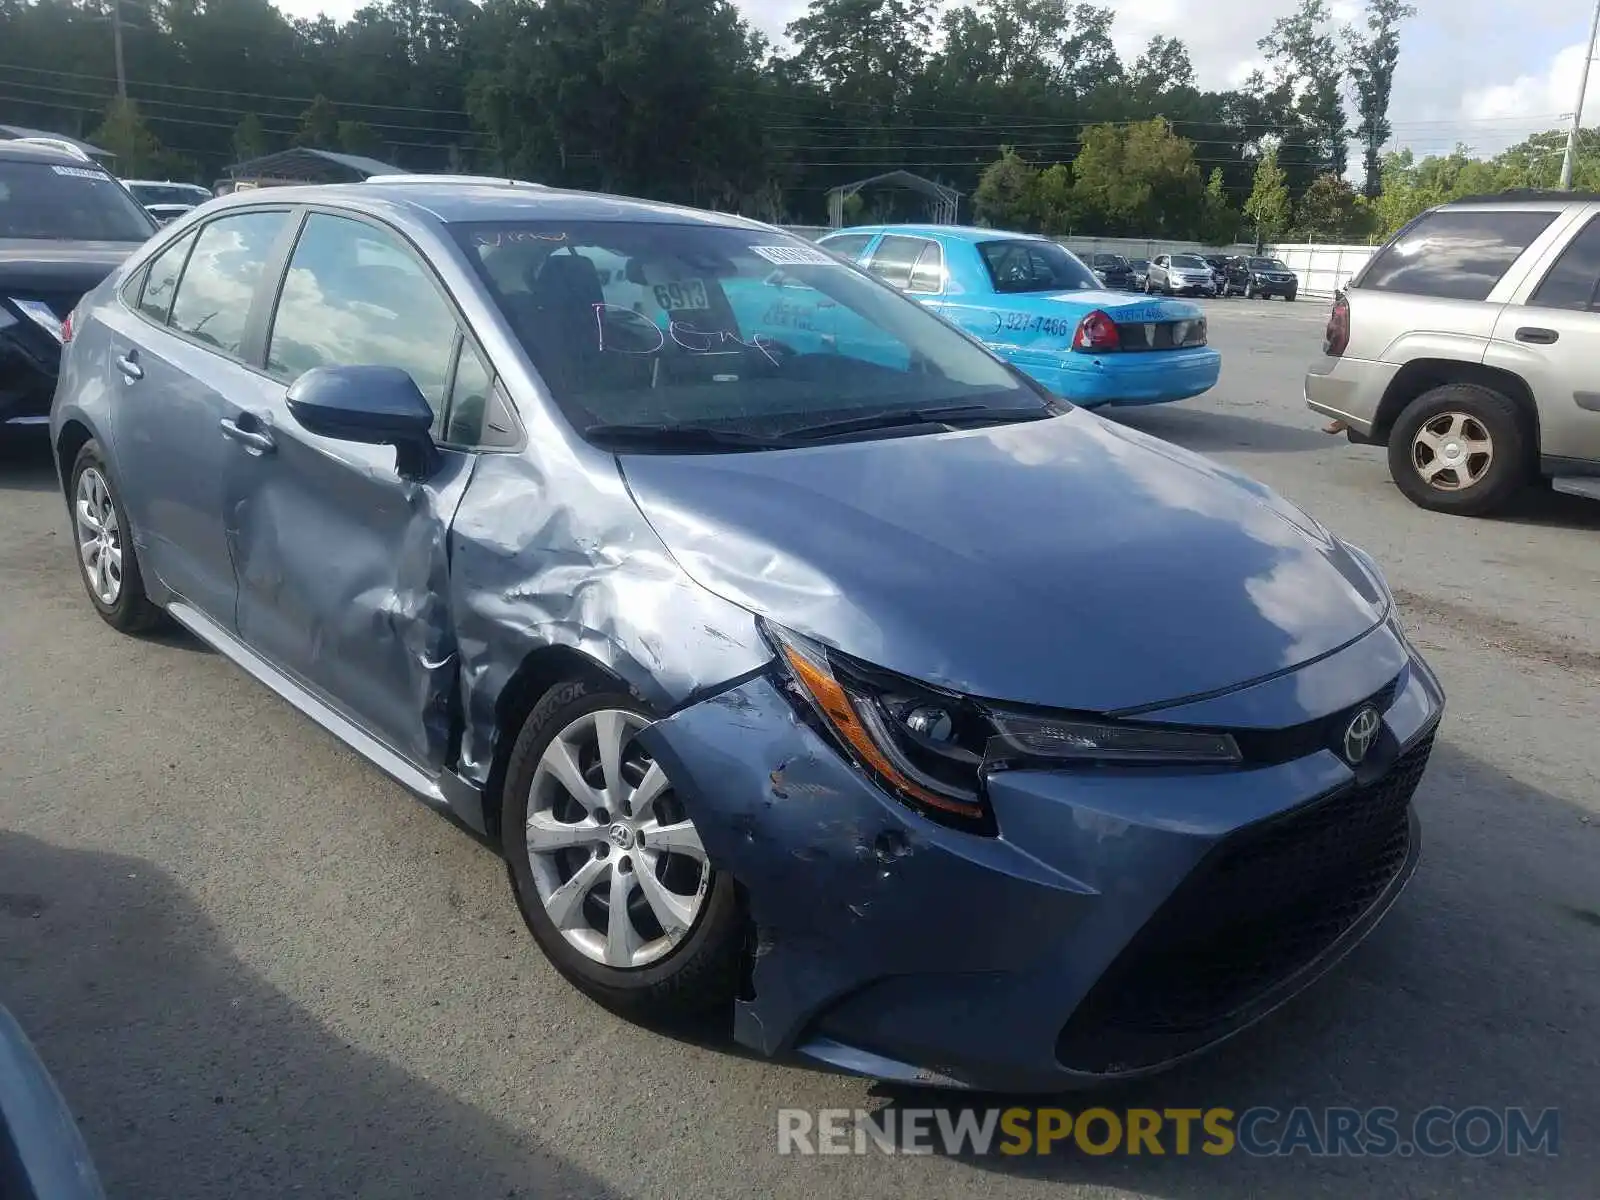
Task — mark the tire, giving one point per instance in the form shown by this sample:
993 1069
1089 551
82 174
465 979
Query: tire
114 585
697 973
1455 416
1289 297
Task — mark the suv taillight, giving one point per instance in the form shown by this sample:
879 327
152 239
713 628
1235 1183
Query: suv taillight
1096 332
66 329
1337 335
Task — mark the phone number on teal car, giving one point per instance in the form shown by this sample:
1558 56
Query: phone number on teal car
1034 303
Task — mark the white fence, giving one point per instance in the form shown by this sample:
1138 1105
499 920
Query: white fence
1322 269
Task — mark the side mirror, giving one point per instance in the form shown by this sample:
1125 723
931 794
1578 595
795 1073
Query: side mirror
377 406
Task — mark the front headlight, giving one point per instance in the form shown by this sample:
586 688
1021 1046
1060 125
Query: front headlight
934 748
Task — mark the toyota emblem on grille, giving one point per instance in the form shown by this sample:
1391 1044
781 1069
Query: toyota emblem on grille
1362 732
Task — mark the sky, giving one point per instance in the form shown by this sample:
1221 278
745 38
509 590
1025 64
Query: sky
1479 72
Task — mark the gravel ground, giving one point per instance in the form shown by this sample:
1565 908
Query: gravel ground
259 969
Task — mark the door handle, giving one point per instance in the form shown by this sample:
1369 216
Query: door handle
1539 337
130 368
256 441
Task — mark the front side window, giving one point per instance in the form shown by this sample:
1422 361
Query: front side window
219 282
1034 265
1575 279
1455 254
707 328
895 258
161 280
356 296
80 202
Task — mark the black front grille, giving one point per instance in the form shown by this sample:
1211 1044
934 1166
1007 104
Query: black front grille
1162 335
1265 747
1265 904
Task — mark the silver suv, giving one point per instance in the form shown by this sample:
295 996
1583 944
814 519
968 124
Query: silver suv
1468 346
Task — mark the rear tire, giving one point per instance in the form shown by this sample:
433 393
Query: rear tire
108 563
1462 449
680 972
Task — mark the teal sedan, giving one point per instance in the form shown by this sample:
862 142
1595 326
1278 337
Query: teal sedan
1034 303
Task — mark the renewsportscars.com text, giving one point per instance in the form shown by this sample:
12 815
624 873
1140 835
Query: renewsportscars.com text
1478 1131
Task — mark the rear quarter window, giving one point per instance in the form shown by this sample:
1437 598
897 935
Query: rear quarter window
1455 254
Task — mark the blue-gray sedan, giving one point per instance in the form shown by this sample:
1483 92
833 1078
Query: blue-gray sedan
942 731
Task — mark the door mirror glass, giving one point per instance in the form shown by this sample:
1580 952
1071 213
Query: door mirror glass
377 406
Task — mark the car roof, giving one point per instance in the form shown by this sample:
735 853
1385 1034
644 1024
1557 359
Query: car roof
16 150
1542 198
456 202
959 233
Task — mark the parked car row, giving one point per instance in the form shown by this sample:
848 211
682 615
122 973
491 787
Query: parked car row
1250 276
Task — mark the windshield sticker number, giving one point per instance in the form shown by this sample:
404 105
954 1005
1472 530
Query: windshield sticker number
82 173
684 295
796 256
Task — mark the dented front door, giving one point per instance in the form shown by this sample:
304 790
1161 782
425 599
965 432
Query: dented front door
342 575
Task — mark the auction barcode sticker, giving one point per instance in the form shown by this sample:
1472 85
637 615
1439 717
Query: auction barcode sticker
80 172
796 256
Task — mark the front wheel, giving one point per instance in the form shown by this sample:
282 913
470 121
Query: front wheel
1460 448
607 866
107 561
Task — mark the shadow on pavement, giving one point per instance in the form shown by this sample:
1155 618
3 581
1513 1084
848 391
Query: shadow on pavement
1481 988
1207 431
192 1077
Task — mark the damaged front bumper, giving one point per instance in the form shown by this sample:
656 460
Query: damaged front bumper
1122 919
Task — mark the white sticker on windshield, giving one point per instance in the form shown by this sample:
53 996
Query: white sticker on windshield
796 256
80 172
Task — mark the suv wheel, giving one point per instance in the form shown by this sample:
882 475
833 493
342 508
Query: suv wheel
1460 448
107 562
607 866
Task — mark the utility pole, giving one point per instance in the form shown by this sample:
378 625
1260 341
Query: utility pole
116 34
1577 113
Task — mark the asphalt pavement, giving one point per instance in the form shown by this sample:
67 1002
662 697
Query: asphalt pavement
259 969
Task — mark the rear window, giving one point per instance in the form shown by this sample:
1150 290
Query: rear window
61 202
1034 265
1455 254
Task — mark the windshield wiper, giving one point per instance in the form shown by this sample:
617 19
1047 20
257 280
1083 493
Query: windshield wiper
687 438
954 414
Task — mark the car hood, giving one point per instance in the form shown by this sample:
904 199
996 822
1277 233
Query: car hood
48 268
1069 562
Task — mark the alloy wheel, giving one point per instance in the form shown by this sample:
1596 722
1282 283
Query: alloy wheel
1452 451
617 863
99 536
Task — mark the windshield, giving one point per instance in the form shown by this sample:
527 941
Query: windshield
1139 264
1034 265
1193 261
169 193
1267 264
738 331
76 203
1110 260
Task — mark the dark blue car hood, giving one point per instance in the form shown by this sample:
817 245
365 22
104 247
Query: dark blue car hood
1069 562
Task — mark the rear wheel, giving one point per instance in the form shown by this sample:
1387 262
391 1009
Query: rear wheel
607 866
1460 448
107 561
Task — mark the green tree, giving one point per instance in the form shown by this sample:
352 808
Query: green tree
124 133
1331 211
250 139
357 137
319 125
1309 72
1007 192
867 49
1372 57
1139 178
1268 205
1055 208
1163 67
1219 220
